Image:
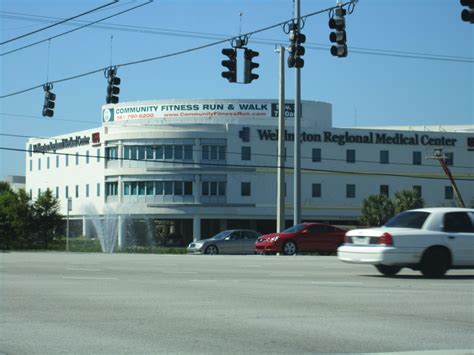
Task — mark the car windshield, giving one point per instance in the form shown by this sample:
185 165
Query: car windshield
294 229
409 219
221 235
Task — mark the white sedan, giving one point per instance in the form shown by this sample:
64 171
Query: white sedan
432 240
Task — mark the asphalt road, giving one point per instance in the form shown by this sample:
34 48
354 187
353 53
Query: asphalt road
127 303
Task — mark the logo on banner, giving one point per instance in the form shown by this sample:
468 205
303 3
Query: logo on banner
108 114
244 134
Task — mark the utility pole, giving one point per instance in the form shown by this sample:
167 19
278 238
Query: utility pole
438 155
69 208
281 147
297 143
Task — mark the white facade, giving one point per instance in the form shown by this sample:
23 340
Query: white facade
203 160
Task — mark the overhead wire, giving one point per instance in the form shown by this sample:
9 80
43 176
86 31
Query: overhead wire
58 23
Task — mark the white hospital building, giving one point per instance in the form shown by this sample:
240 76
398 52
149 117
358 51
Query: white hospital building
195 167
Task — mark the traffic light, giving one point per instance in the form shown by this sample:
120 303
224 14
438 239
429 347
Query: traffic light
112 88
295 49
249 65
230 64
338 36
49 98
467 15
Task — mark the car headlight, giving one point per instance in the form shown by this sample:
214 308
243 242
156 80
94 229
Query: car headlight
274 239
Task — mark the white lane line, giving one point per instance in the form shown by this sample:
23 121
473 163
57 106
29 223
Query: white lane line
89 278
335 283
179 272
78 269
202 280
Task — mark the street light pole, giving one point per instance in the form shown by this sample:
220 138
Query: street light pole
69 207
281 147
297 143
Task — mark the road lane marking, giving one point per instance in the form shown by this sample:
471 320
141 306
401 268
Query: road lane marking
202 280
335 283
89 278
78 269
179 272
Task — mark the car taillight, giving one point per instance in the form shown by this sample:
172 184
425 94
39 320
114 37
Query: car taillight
386 239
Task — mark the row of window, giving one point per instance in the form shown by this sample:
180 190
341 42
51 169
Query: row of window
65 158
209 188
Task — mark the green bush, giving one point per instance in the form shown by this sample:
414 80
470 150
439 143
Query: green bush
78 244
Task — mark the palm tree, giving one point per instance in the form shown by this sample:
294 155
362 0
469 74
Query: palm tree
376 210
407 200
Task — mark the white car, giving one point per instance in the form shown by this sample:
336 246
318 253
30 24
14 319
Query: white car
432 240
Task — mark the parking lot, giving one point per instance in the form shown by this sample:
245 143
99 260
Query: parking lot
130 303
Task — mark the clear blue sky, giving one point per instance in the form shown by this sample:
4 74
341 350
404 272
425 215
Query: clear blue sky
383 90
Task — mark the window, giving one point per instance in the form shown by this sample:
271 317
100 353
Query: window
221 151
350 191
141 153
159 152
384 190
39 164
221 188
159 188
87 157
77 191
133 188
150 188
448 193
126 152
384 157
188 152
458 222
77 158
168 187
213 152
178 188
87 190
350 156
316 155
111 188
111 153
126 188
141 188
66 192
47 163
316 190
449 158
178 152
57 191
31 165
57 161
213 188
66 157
188 188
98 189
246 153
417 189
149 152
98 154
205 188
39 192
416 158
245 189
168 152
31 194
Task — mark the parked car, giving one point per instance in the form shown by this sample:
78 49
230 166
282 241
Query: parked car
235 241
304 237
431 240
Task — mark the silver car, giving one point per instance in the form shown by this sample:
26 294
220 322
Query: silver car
235 241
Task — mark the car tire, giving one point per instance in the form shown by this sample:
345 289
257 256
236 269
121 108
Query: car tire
289 248
388 270
435 262
211 250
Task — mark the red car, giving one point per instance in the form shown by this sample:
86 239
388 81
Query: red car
304 237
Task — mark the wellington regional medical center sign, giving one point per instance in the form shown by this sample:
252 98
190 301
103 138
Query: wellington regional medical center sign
195 110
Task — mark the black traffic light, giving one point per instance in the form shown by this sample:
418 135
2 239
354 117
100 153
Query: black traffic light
249 65
112 89
295 49
338 36
467 15
230 64
49 97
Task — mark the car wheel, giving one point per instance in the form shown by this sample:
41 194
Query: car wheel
289 248
211 250
388 270
435 262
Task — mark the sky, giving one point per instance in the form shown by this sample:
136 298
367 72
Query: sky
410 62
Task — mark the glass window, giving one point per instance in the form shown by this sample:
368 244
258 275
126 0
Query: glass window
150 187
47 163
316 155
98 189
31 165
159 188
111 188
126 152
126 188
178 152
205 152
384 157
133 152
141 153
188 188
213 189
66 157
98 154
213 152
57 191
168 187
57 161
188 152
449 158
316 190
168 152
39 164
39 192
245 189
141 188
87 190
66 191
77 158
408 219
458 222
350 190
87 157
221 186
159 152
77 191
133 188
221 152
448 193
416 158
178 188
246 153
350 156
149 152
205 188
384 190
417 189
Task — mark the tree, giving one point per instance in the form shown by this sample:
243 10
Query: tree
407 200
376 210
4 187
24 224
46 216
8 218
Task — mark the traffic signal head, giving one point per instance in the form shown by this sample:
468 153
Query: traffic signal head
338 36
112 89
49 97
249 65
467 15
295 48
230 64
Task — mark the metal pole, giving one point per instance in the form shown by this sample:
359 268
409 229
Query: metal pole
281 147
297 143
67 228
